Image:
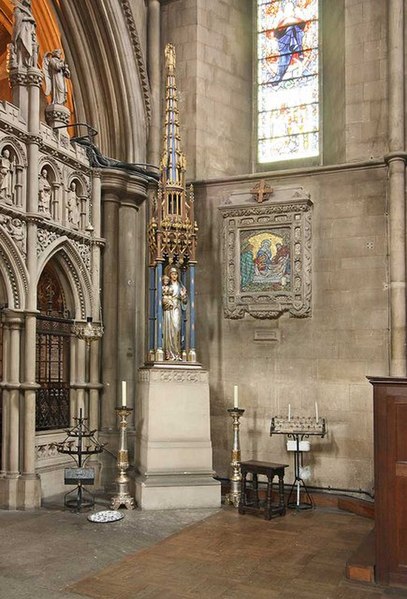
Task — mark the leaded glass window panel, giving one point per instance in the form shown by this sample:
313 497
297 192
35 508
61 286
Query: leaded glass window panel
287 80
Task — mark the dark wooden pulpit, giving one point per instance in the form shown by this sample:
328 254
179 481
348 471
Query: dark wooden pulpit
390 463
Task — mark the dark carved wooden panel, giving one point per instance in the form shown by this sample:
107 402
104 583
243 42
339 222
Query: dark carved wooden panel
390 457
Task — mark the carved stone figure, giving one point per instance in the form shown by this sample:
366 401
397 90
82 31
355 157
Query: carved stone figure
6 176
174 301
56 72
44 193
24 38
73 210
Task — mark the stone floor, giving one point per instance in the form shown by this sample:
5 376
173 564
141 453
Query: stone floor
53 554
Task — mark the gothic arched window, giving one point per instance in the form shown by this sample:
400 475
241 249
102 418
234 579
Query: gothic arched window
288 115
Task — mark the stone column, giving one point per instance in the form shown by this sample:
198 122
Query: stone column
126 316
154 73
29 487
80 377
110 290
18 83
14 397
5 399
94 382
396 189
123 284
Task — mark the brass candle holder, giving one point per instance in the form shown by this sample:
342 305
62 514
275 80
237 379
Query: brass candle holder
123 496
233 498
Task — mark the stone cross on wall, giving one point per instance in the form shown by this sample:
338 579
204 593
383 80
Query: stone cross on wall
261 191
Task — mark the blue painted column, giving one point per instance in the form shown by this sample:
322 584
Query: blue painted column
192 340
184 315
151 314
159 304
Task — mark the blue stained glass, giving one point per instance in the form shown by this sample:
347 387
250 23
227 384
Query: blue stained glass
288 79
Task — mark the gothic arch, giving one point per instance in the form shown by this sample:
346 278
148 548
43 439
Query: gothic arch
78 176
13 271
19 150
74 270
111 90
48 161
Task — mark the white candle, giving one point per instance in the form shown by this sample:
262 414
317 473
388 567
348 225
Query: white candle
124 395
316 412
235 397
289 411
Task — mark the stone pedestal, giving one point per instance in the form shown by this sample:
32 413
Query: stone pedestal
58 116
173 445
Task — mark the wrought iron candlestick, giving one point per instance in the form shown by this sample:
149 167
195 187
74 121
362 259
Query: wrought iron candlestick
122 480
233 497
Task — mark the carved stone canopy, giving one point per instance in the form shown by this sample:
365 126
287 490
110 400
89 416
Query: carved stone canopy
267 254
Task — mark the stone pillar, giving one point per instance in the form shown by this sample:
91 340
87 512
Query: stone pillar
396 189
18 83
5 399
154 73
126 314
110 291
14 396
12 474
123 285
29 495
81 356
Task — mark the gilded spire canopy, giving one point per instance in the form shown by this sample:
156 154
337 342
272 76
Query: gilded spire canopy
172 228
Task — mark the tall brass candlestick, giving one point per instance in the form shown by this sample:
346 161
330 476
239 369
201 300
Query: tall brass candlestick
122 480
233 497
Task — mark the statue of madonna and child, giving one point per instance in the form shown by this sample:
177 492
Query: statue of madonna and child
174 297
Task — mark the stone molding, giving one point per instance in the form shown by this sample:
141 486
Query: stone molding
172 375
142 70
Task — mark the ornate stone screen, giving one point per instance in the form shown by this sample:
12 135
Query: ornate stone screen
267 254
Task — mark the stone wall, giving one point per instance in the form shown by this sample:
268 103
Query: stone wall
213 42
366 78
324 358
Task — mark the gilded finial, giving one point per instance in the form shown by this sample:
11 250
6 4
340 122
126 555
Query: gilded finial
170 57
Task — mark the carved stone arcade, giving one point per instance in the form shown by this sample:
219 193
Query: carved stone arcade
44 179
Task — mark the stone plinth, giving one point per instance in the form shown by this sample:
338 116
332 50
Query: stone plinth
57 116
173 445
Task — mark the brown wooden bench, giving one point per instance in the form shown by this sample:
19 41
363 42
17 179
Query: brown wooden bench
253 505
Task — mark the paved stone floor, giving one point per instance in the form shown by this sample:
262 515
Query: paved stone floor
53 554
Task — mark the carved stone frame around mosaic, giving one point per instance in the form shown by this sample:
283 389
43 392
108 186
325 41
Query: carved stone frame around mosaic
295 213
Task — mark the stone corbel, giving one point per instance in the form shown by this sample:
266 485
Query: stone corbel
127 188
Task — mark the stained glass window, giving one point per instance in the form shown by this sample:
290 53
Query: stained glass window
287 80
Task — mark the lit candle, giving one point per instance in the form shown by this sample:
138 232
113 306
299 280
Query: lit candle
289 411
235 397
124 398
316 412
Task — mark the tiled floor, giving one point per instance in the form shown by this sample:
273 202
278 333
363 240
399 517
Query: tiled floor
299 556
